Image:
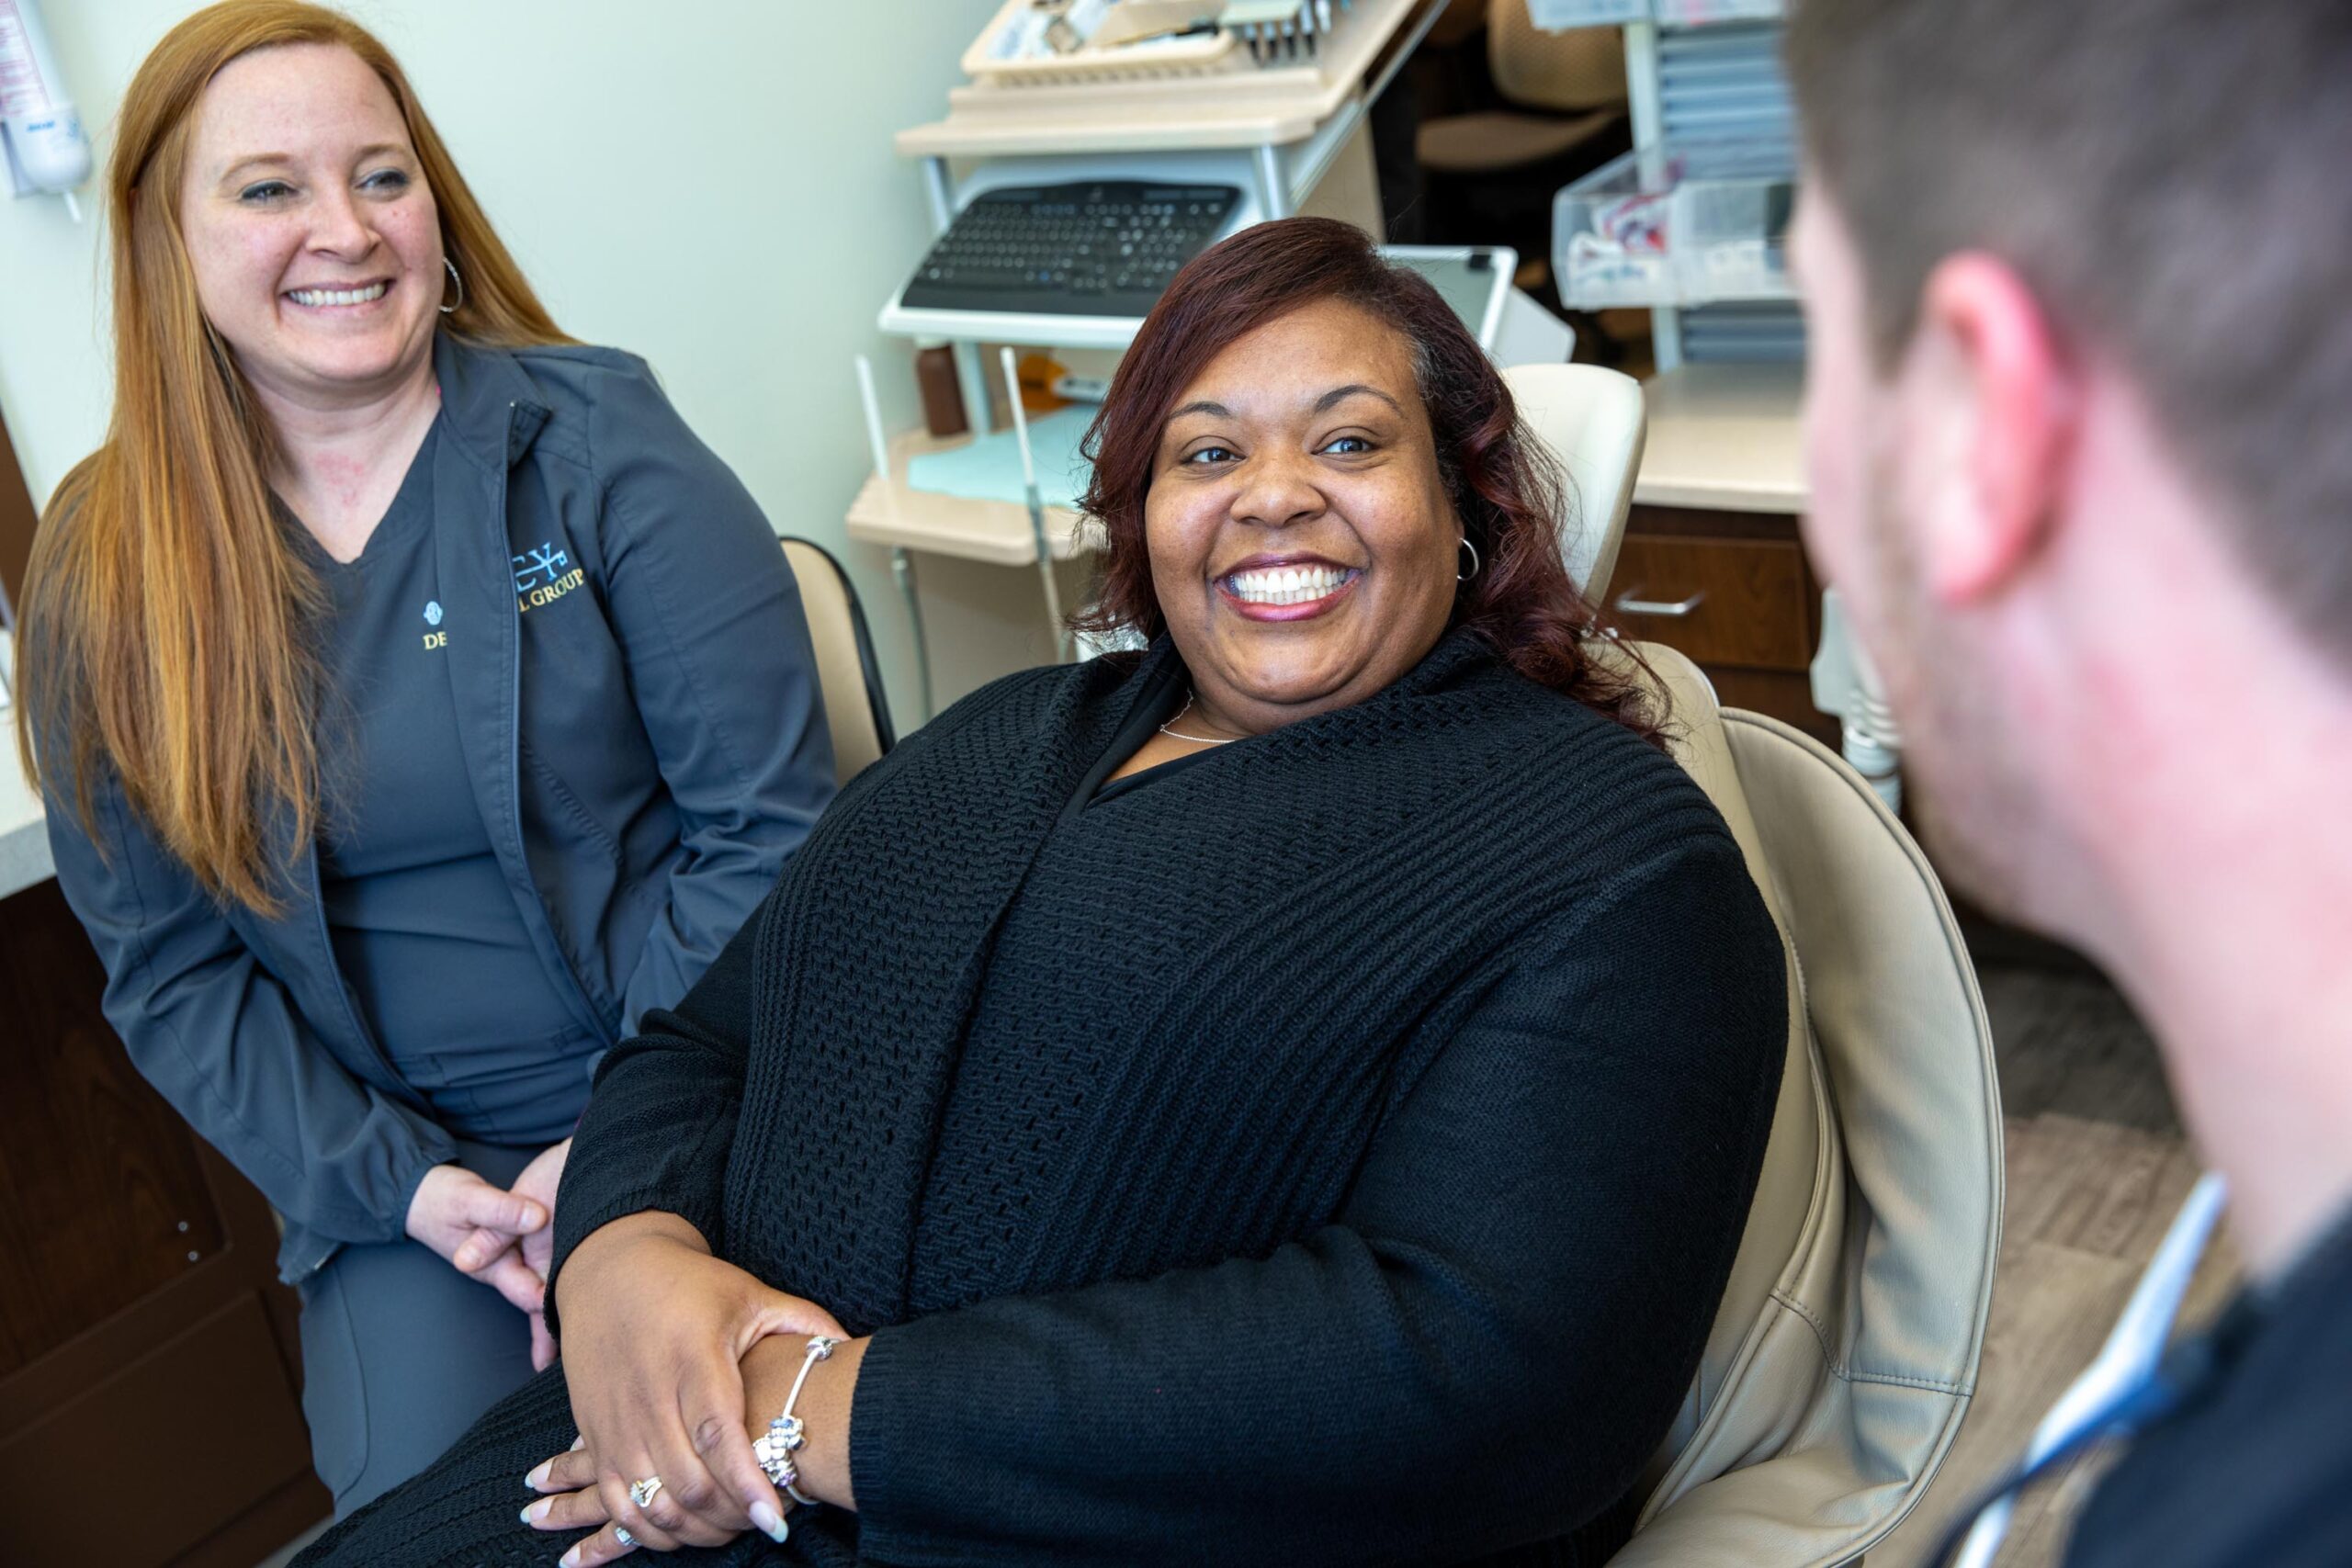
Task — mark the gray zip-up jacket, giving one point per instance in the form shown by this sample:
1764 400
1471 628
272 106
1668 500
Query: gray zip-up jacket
638 709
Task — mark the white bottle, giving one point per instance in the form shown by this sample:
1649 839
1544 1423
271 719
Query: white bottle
48 154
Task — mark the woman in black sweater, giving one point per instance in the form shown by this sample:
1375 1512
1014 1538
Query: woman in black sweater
1291 1097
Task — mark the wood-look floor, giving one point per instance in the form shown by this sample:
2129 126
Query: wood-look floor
2097 1166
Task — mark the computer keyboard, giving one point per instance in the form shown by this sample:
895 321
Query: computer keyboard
1090 248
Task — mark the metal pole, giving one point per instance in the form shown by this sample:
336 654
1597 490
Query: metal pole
1644 103
902 567
1273 192
934 185
970 377
1037 509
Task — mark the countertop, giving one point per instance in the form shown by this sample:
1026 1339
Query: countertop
1725 437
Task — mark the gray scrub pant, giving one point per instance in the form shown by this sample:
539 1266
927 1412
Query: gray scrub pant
400 1353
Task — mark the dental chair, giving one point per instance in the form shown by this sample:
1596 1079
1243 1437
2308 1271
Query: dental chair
1844 1349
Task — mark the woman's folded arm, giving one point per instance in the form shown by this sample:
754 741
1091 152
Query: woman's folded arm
662 1121
1484 1347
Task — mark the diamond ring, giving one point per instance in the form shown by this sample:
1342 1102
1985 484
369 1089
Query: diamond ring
643 1493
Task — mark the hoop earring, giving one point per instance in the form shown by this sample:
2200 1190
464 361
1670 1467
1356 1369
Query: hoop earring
452 309
1466 576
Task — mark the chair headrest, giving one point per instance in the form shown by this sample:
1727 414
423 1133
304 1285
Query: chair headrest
1596 423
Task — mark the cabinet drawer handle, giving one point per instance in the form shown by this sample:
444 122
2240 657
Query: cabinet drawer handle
1629 605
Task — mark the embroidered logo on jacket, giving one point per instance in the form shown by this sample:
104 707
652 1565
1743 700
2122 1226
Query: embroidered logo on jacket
543 575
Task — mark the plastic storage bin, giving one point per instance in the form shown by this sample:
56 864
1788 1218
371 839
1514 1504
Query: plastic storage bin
1677 226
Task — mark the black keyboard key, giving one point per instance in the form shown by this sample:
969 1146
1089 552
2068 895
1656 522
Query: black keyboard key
1091 248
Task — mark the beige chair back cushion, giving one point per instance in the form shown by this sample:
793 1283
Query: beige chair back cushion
1596 423
840 666
1583 68
1844 1349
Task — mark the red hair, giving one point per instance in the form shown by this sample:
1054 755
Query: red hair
1505 485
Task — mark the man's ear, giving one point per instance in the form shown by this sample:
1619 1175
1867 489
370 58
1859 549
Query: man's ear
1999 403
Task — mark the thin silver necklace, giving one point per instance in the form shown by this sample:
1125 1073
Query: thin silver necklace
1190 699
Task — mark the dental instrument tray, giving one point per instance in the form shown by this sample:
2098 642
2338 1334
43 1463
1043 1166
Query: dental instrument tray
1063 42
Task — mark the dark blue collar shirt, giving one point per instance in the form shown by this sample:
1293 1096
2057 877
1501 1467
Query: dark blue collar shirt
2251 1466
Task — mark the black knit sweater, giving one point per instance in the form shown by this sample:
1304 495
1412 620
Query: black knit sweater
1332 1152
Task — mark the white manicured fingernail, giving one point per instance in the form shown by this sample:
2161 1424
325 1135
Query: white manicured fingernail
581 1441
771 1523
538 1510
538 1477
569 1560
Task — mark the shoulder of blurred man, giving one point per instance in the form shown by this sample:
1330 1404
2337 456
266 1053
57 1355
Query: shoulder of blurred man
2254 1465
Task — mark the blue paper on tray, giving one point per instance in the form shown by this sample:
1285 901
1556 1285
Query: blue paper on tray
988 468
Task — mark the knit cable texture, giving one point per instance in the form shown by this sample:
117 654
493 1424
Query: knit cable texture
998 1053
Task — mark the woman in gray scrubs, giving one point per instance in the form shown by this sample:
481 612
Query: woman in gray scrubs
418 703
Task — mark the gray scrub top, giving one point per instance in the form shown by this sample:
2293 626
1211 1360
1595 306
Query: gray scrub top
424 925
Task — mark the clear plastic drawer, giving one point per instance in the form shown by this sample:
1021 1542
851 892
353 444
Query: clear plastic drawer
1677 226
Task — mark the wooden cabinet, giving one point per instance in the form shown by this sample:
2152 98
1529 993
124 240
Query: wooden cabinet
17 520
150 1411
1735 593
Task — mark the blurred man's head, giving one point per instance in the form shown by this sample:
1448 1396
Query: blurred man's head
2079 276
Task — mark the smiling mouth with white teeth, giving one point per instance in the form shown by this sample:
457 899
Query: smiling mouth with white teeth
314 297
1288 584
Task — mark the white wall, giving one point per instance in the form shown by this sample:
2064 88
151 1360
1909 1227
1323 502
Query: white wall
709 183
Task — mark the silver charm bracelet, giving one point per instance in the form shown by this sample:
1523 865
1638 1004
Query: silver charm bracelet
774 1447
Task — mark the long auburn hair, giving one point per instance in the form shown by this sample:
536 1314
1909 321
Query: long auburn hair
166 616
1506 486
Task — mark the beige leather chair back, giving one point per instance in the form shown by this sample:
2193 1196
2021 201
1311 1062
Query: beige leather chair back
1845 1350
1596 423
856 711
1583 68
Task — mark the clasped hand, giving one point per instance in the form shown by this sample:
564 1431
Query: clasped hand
503 1237
656 1333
